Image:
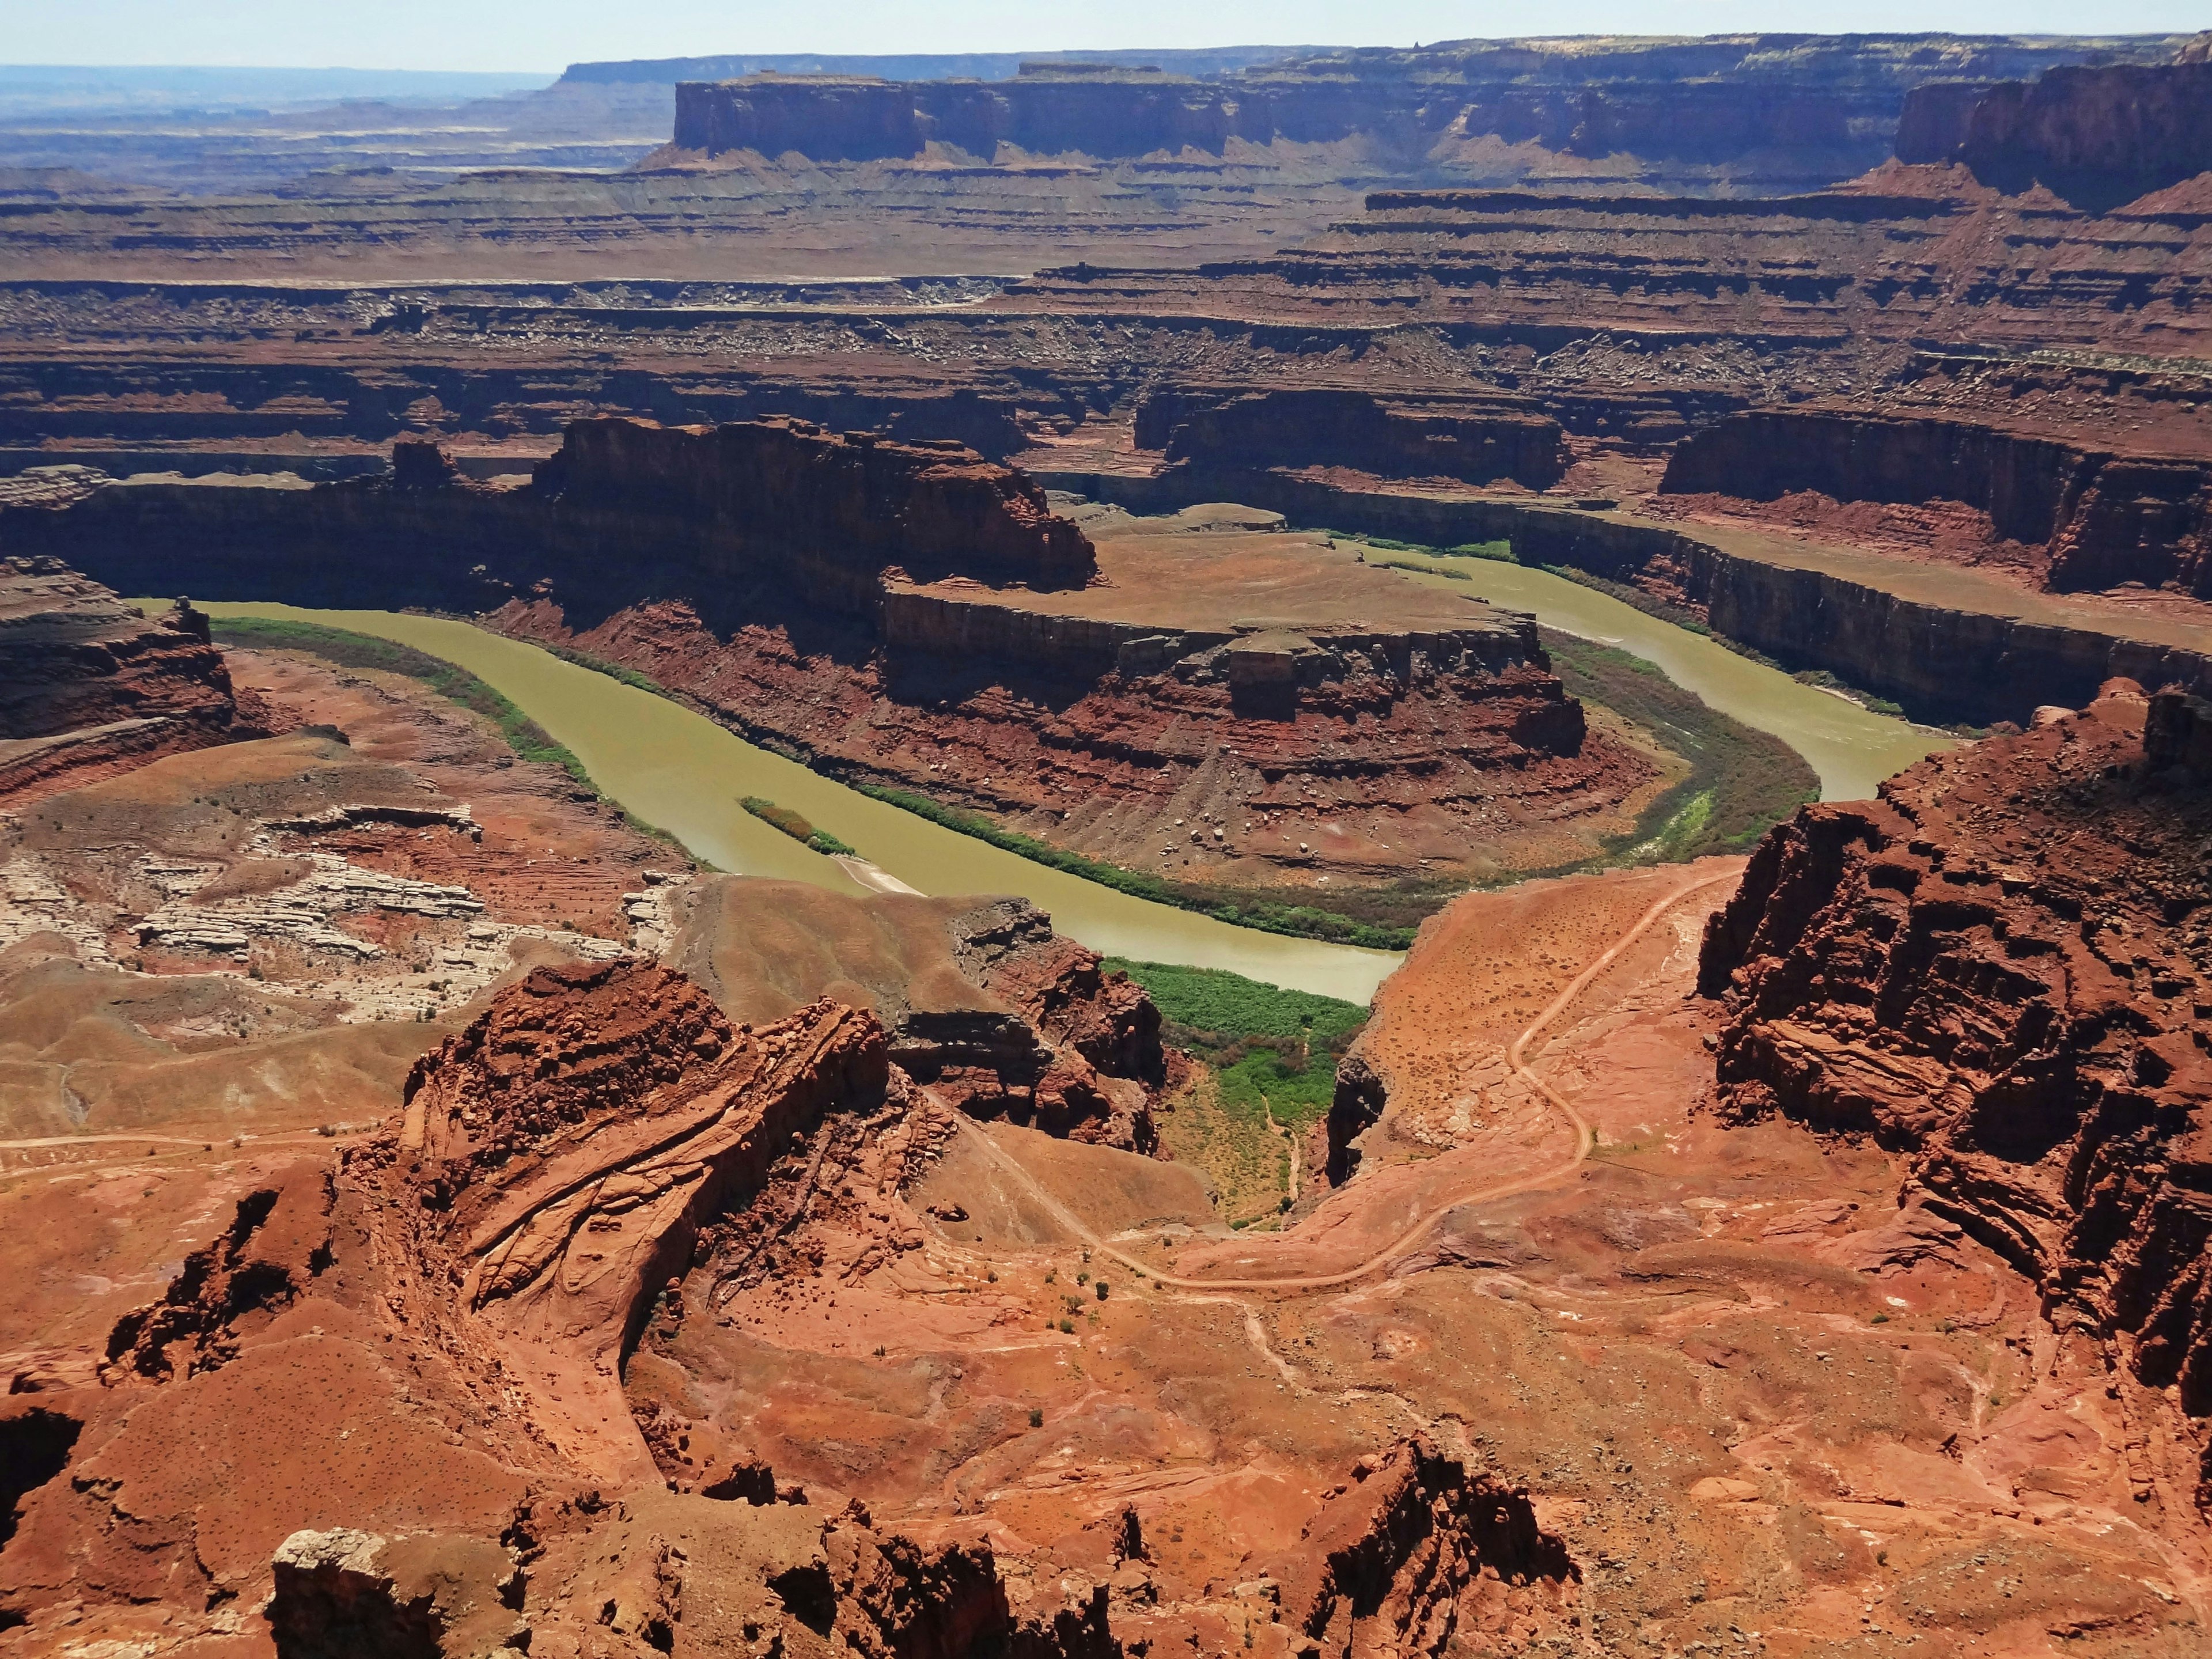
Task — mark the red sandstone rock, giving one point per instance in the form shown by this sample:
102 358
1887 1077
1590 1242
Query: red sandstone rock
854 503
2103 134
1406 437
86 680
2100 518
2001 969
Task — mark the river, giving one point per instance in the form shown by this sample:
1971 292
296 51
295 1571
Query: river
1851 748
677 769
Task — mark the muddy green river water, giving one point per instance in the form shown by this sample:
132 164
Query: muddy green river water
1851 748
679 770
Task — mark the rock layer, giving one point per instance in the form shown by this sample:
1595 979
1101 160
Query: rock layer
2095 135
1400 437
85 680
2001 969
2099 518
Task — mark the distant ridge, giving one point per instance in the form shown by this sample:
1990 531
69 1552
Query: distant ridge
923 66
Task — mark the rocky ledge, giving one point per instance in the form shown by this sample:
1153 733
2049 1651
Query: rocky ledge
2003 970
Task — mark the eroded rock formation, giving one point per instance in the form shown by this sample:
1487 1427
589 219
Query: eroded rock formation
1407 436
980 999
2001 969
2098 136
2096 518
85 680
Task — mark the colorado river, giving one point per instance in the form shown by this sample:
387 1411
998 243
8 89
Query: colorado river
1851 748
680 771
677 769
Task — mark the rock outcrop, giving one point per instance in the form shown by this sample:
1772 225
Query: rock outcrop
1826 106
86 681
623 508
1419 1555
1403 436
2094 136
565 1150
2001 969
2098 518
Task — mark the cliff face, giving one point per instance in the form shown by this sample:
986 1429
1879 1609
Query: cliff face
2101 519
1823 108
1476 441
779 506
861 503
2001 969
2097 135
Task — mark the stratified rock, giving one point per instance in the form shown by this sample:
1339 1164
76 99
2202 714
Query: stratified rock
560 1156
1418 1551
96 680
1475 440
2100 518
2099 135
2001 969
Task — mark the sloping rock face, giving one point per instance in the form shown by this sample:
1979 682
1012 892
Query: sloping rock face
1418 1557
2100 518
1474 441
2094 136
99 682
2001 969
565 1150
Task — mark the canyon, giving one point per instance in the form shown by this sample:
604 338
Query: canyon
446 1215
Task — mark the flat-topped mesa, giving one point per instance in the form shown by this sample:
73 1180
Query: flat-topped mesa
1789 107
1473 439
781 484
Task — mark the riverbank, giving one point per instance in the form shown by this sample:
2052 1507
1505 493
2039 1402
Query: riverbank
1946 644
672 766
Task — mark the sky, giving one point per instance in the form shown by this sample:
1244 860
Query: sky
548 34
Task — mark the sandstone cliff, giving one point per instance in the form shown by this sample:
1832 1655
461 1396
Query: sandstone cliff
2095 136
2001 970
1403 436
1801 105
2099 518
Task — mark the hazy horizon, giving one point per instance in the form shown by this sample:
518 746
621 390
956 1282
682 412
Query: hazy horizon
534 37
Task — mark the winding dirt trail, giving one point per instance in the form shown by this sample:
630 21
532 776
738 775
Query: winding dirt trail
1397 1246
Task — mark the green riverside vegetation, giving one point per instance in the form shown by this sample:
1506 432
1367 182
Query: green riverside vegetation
1274 1050
793 824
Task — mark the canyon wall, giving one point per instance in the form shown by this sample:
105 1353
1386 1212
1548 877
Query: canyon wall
1475 440
2001 970
2092 135
623 509
1804 106
1941 663
2102 517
